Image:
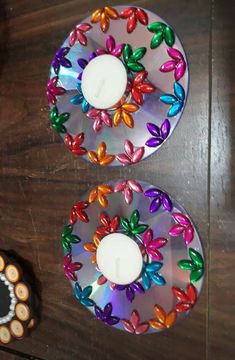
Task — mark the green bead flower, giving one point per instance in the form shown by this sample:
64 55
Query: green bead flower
67 238
195 265
57 120
161 32
131 58
132 227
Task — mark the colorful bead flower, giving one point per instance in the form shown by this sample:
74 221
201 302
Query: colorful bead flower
83 296
131 289
78 34
195 265
103 16
78 212
140 87
134 326
83 63
183 226
159 134
79 99
57 120
163 320
128 187
150 246
111 48
186 299
176 101
133 15
74 144
105 315
131 58
53 90
92 247
100 192
150 274
123 113
178 64
159 198
68 238
61 60
70 268
133 227
101 157
100 117
131 155
161 32
108 225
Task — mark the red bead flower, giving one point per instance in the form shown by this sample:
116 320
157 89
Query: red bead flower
187 299
133 15
74 144
134 326
78 212
140 87
78 34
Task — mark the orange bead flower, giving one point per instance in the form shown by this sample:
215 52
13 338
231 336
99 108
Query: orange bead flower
92 247
123 113
163 320
100 192
103 15
101 157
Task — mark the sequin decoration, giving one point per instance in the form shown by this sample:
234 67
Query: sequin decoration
128 187
183 227
176 101
132 155
132 58
103 16
78 34
177 64
161 32
163 320
134 15
195 265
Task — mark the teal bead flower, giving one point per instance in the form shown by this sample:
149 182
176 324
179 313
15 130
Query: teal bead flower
133 227
176 101
150 274
80 99
195 265
83 296
67 238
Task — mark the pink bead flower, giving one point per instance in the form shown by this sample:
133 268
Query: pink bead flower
78 34
150 246
100 117
177 64
111 48
128 187
134 326
183 226
131 155
70 268
53 90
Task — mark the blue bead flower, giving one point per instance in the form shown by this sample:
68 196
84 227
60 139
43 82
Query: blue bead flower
150 274
79 99
176 101
83 296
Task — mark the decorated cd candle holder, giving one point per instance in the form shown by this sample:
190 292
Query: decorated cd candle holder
17 316
133 256
118 86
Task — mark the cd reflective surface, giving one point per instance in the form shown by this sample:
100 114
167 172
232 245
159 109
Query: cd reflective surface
154 97
172 265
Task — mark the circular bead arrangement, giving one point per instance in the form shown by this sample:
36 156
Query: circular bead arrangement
155 97
172 272
20 315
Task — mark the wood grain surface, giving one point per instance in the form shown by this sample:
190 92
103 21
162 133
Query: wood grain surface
40 179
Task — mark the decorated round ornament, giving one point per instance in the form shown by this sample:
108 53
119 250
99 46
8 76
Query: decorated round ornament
133 256
16 302
118 86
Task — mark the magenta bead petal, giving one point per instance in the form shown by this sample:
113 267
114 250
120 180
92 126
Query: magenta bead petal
84 27
122 158
93 113
165 129
110 43
148 237
180 70
155 205
188 235
168 66
135 319
166 202
154 142
142 328
158 243
176 230
100 52
128 195
82 38
127 326
174 54
155 254
118 50
106 118
181 219
129 148
138 154
153 129
120 186
135 186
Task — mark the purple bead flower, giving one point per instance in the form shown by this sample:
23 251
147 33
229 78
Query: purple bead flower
111 48
105 315
159 134
83 63
61 60
159 198
131 289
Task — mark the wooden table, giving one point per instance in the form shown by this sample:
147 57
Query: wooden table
40 179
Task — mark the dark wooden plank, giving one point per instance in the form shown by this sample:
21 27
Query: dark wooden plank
222 229
40 180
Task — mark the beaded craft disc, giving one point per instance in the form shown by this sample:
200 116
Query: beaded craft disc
16 302
155 94
166 286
